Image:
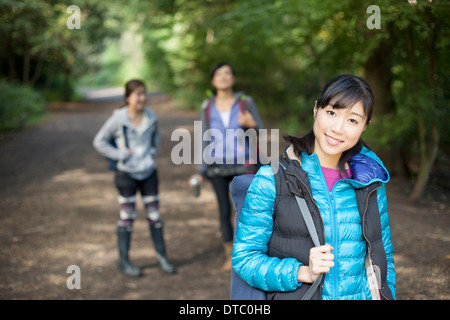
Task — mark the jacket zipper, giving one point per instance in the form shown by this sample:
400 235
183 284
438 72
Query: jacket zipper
334 274
364 234
335 243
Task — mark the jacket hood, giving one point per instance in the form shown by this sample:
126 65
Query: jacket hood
366 167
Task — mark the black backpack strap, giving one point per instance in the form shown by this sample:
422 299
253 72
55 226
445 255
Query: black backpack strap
125 137
366 199
306 214
367 202
153 137
277 188
315 237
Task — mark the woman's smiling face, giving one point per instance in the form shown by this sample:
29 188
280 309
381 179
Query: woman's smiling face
137 99
223 78
337 130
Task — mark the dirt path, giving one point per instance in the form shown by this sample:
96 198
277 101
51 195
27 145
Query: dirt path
58 208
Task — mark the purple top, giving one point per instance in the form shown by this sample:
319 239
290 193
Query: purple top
332 176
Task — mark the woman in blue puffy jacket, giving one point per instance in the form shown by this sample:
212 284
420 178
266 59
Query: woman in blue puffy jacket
273 250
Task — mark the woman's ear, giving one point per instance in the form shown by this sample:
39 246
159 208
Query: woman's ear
315 109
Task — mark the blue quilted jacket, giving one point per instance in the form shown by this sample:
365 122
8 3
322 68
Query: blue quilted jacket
342 225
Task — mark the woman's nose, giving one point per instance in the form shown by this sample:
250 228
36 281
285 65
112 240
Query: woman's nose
338 125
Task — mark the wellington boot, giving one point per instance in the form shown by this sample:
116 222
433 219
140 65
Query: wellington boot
156 232
124 236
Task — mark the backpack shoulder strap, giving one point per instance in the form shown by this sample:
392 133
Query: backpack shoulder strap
366 199
278 186
208 111
242 102
306 214
125 137
154 131
371 225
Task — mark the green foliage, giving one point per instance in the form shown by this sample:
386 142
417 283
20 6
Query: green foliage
19 106
37 47
283 52
121 61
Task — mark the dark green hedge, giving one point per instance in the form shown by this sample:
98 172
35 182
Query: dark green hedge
19 106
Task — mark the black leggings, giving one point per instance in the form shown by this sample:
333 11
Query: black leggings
128 187
221 187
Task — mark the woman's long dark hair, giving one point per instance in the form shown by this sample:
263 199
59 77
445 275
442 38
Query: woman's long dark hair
342 91
130 86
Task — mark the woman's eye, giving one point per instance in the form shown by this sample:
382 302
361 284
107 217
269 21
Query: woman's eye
331 113
353 121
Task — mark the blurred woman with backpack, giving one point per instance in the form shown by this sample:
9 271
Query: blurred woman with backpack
341 183
226 110
131 138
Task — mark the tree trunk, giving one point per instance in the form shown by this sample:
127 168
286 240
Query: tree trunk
38 69
66 86
26 66
377 73
11 56
50 76
428 149
427 157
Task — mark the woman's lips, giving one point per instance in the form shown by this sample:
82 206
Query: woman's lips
333 141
